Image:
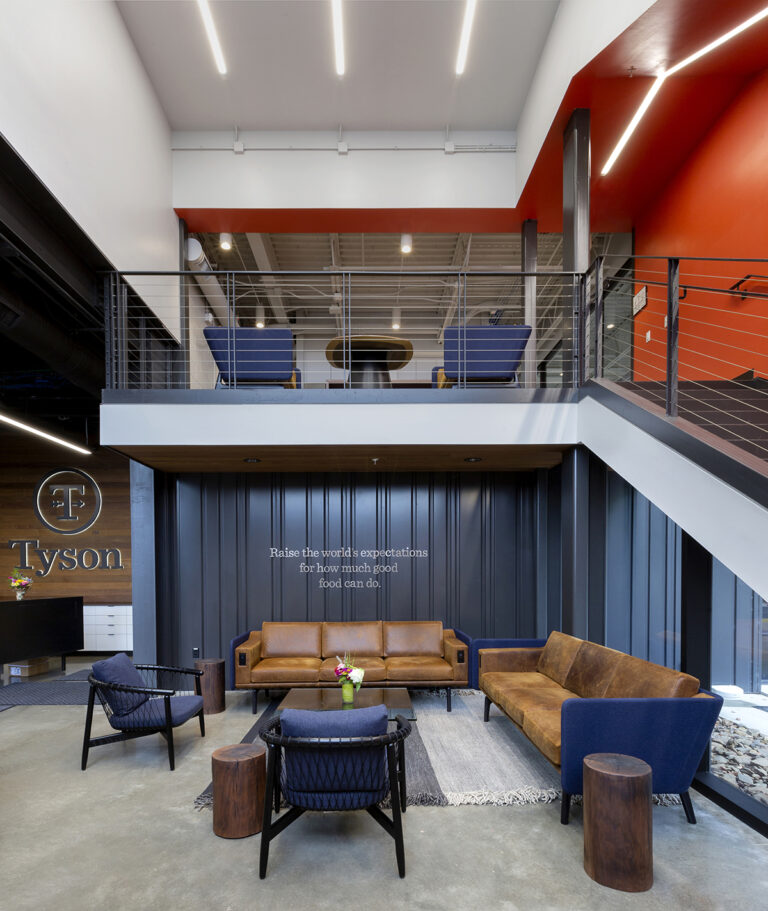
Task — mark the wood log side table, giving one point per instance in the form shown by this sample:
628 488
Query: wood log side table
212 684
239 781
618 830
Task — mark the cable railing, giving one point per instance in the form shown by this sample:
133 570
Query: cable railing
342 330
689 335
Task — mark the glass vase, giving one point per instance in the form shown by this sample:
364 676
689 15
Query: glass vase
347 693
20 594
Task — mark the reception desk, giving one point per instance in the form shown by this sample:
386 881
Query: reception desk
38 627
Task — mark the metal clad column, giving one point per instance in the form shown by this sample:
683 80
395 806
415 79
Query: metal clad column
576 171
529 259
144 592
575 542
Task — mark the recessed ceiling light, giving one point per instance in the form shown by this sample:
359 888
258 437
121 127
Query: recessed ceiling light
338 36
260 316
19 425
252 460
466 31
225 240
661 77
473 459
213 37
610 326
406 243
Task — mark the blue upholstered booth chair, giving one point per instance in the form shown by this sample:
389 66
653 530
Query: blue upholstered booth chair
248 356
140 699
482 354
342 760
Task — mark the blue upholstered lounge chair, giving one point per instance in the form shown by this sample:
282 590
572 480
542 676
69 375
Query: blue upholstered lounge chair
481 354
252 356
140 699
342 760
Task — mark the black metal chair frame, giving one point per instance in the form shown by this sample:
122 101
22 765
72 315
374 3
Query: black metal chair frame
394 744
165 728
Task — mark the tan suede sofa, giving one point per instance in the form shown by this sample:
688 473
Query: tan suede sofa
572 697
409 653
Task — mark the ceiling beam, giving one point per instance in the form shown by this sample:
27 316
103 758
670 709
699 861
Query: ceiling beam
264 254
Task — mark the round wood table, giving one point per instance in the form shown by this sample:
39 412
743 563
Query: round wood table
369 358
618 831
239 780
212 684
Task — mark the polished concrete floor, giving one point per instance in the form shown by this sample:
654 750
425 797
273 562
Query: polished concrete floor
124 835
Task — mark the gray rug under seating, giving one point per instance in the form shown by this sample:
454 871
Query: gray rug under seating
454 758
45 692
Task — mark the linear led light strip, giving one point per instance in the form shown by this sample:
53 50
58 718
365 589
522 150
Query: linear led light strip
338 36
41 433
213 37
654 89
466 31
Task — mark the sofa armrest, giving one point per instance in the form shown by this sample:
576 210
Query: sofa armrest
457 655
670 734
251 650
508 659
477 644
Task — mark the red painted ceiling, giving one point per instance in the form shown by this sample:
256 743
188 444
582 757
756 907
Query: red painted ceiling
680 115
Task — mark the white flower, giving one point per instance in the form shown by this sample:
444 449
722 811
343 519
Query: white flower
356 675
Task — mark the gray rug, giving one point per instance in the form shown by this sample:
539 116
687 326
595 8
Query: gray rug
45 692
454 758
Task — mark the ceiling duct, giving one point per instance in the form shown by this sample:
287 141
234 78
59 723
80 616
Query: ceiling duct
207 281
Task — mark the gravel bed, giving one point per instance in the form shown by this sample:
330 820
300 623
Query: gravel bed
740 756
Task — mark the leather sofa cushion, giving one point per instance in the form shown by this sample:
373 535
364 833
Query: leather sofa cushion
362 638
515 694
374 668
542 727
558 655
286 670
287 640
592 670
635 679
426 667
413 637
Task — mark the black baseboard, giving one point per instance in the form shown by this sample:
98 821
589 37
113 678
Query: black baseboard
749 810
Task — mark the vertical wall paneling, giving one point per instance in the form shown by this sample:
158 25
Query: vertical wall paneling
618 563
736 630
143 549
596 550
575 541
541 552
478 529
554 552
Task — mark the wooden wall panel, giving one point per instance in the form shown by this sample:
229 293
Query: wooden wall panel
24 462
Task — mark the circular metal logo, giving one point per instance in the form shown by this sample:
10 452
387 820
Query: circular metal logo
67 501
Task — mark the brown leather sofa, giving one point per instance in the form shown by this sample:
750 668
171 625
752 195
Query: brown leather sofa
409 653
572 697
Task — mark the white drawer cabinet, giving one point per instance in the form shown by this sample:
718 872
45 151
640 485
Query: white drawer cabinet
107 627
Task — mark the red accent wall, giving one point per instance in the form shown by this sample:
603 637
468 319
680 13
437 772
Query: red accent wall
716 205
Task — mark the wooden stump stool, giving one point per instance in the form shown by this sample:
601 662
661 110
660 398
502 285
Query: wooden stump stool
212 684
239 779
618 832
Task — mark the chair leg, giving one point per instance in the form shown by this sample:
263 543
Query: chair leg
688 807
266 824
565 808
486 709
202 723
397 822
87 733
169 732
276 784
255 708
401 763
448 699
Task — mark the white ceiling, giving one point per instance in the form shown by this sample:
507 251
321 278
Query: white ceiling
400 63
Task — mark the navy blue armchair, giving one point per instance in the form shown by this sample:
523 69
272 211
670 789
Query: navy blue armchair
338 760
246 356
482 354
141 699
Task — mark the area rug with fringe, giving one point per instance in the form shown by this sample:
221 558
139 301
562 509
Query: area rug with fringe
454 758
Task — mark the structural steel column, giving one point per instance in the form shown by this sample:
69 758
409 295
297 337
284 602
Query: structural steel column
576 241
529 258
143 582
575 542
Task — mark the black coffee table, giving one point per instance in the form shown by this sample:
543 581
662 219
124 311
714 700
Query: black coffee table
326 699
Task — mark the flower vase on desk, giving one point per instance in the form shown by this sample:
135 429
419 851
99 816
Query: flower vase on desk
20 592
347 692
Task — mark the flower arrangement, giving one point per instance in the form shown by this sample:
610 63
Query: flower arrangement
346 672
19 582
